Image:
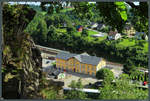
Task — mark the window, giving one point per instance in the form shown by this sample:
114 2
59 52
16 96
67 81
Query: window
66 64
93 68
74 62
57 61
88 68
83 68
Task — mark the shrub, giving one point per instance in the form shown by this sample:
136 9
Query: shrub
105 73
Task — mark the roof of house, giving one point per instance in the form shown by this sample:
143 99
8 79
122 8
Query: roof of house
79 26
111 33
83 58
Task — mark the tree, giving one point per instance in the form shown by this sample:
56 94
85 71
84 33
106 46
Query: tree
71 30
84 32
114 14
40 35
129 67
84 9
76 94
122 90
105 73
52 36
52 7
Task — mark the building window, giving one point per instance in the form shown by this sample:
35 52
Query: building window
93 68
73 62
83 68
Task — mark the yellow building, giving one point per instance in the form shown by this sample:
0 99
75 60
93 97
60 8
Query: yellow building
129 29
81 63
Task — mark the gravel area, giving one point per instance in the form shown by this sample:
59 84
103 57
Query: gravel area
75 76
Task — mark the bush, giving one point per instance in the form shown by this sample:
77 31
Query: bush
129 67
105 73
84 32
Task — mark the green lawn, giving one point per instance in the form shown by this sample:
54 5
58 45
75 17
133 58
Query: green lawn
61 30
126 43
91 32
102 38
129 42
44 12
146 47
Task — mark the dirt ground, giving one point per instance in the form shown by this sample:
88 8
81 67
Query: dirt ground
76 76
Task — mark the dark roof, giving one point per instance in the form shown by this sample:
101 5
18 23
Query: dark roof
57 72
64 55
83 58
112 33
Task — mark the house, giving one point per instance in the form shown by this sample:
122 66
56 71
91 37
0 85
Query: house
81 63
129 29
113 35
79 28
141 35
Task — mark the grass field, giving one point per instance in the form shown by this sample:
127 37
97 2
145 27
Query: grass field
129 43
61 30
126 43
91 32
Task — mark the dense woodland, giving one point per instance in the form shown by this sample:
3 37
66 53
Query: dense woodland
55 26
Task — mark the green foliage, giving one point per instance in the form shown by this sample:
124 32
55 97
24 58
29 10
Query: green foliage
34 23
51 7
129 67
71 30
40 34
113 13
122 90
138 75
105 73
121 8
49 93
83 9
140 23
54 64
84 33
76 94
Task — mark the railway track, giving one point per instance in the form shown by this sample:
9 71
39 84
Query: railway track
49 50
53 52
